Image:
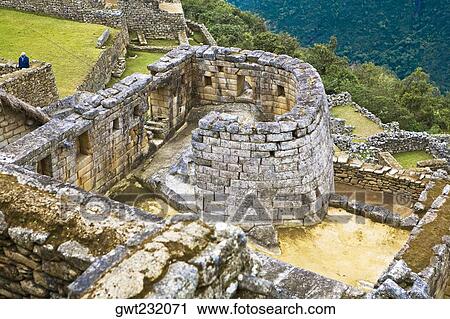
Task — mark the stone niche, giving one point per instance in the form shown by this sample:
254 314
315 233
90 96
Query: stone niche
275 167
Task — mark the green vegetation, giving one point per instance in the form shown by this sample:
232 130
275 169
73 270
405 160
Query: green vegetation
420 251
163 43
233 27
69 46
363 126
414 102
400 34
137 62
197 39
410 159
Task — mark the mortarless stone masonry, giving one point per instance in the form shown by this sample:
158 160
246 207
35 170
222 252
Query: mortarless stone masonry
96 144
282 168
17 118
89 11
284 164
100 73
156 19
378 178
58 241
162 19
35 85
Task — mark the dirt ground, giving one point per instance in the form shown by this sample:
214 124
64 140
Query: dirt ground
348 248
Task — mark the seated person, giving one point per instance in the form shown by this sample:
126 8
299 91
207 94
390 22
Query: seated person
24 61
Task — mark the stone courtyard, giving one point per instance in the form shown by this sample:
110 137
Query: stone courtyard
219 173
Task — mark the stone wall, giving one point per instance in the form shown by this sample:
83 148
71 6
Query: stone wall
97 144
404 141
7 67
58 241
285 164
35 85
339 99
404 278
203 30
157 19
50 233
377 177
89 11
100 73
172 93
275 159
183 260
14 125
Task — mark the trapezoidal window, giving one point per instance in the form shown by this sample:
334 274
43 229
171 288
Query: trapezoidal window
84 144
116 124
44 166
242 85
220 68
208 81
281 90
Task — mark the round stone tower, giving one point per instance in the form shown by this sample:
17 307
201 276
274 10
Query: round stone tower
262 171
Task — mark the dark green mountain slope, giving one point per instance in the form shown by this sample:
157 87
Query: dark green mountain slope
402 34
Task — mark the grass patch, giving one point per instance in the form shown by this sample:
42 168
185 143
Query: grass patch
163 43
197 39
363 126
68 45
420 251
410 159
138 64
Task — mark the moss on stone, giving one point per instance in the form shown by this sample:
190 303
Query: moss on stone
42 216
420 251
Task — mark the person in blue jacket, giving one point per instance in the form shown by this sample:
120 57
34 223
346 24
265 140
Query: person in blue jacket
24 61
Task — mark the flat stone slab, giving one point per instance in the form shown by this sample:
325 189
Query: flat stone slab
300 283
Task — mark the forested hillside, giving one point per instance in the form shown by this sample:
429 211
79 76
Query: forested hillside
414 101
402 34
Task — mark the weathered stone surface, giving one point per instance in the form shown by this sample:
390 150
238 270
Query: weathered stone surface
60 270
410 221
181 240
265 236
76 254
95 271
398 272
128 278
21 259
180 282
420 290
294 282
27 237
259 286
103 38
30 287
389 290
48 282
3 224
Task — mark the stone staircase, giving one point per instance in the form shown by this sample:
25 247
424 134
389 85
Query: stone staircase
141 38
159 128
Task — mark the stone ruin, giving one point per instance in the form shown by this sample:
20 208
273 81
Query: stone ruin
160 19
280 166
392 140
261 145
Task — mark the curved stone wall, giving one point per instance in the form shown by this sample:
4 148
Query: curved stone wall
251 171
